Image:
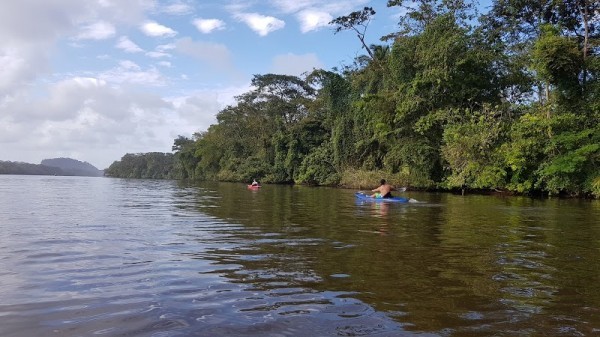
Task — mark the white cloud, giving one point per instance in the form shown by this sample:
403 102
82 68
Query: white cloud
63 101
30 30
178 8
165 47
237 6
101 116
314 14
130 73
291 64
128 12
155 29
129 65
61 105
261 24
196 111
161 51
157 54
200 109
84 113
35 21
45 21
208 25
100 30
339 7
215 54
292 6
20 64
13 70
312 20
127 45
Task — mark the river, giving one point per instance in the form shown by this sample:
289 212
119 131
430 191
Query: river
113 257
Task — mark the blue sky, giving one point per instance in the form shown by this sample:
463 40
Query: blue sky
96 79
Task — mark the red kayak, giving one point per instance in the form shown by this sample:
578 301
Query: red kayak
253 187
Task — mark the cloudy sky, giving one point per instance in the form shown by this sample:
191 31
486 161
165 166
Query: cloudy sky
96 79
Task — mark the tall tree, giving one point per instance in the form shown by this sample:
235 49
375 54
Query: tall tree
358 22
421 13
185 156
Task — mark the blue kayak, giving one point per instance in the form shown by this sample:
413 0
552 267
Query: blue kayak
366 197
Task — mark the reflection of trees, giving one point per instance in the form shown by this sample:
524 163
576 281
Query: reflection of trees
464 262
571 246
523 258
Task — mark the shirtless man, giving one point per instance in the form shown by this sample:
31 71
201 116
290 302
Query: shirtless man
383 191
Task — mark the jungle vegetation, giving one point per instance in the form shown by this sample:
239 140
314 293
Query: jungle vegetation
508 100
151 165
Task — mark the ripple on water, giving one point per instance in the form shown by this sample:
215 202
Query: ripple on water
154 259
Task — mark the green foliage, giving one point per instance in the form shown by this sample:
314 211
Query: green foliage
354 19
11 167
573 157
523 152
510 104
421 13
333 99
413 158
152 165
317 167
558 155
471 149
373 128
594 184
185 160
357 21
557 60
362 179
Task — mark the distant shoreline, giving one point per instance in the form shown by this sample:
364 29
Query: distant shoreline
52 167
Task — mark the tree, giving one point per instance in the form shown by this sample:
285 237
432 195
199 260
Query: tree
357 21
422 13
471 150
152 165
557 62
185 159
511 104
432 75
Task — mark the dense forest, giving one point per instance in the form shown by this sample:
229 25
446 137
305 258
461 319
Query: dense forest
508 101
54 166
152 165
11 167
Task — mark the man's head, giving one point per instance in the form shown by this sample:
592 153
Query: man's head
382 181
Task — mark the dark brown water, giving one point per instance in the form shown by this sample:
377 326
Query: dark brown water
110 257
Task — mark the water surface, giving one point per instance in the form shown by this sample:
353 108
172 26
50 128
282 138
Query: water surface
97 256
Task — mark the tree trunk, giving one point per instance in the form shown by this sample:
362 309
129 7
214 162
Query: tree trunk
586 25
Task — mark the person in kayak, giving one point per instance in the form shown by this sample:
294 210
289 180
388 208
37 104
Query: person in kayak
254 182
383 191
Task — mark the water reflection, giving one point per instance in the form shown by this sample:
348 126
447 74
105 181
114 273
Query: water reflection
150 258
453 268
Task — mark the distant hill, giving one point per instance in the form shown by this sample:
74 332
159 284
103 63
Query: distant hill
12 167
73 167
55 167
